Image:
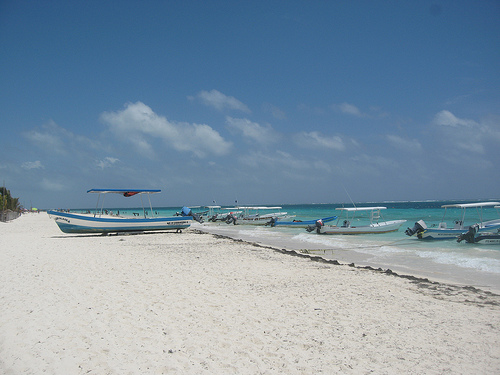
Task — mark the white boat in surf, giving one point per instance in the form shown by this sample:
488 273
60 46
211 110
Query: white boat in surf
255 215
346 224
474 235
102 222
298 223
441 231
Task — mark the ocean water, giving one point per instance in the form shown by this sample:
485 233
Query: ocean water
445 260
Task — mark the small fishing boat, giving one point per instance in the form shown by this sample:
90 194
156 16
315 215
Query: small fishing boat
254 215
345 222
473 235
298 223
102 221
443 232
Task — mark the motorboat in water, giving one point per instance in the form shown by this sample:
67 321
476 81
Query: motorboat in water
276 222
473 235
103 221
255 215
346 222
443 232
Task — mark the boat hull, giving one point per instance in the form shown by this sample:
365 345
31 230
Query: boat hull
260 220
80 223
488 239
374 228
453 233
301 224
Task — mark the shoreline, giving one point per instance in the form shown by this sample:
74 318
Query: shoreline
435 286
424 269
198 303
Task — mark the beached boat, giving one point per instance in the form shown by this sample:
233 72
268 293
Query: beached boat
298 223
345 222
443 232
102 221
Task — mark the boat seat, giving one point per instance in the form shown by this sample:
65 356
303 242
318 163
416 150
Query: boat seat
442 225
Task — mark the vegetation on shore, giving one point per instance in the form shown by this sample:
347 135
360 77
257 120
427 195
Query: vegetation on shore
7 201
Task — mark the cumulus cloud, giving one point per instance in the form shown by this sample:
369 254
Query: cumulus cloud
411 145
446 118
108 161
221 102
315 139
138 125
252 130
32 165
462 134
49 137
55 139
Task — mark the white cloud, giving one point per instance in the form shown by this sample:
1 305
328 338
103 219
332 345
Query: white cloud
461 134
56 139
315 139
48 138
411 145
276 112
446 118
219 101
349 109
32 165
252 130
107 162
138 125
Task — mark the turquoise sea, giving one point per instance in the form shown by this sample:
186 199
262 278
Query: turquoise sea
469 264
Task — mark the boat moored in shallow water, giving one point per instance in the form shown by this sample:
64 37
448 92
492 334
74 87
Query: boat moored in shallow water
298 223
443 232
102 222
345 222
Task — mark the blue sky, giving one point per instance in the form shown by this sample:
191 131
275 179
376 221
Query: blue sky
264 102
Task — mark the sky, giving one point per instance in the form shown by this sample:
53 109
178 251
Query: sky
260 102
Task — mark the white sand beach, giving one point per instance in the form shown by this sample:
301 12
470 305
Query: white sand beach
195 303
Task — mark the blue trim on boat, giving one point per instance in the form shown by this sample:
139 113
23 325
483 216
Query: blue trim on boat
126 225
117 220
123 191
305 222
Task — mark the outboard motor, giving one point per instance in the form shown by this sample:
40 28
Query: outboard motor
470 235
231 219
271 222
186 211
418 228
317 226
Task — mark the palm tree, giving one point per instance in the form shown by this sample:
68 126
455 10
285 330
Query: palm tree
9 203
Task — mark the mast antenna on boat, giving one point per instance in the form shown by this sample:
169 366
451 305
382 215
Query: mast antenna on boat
340 167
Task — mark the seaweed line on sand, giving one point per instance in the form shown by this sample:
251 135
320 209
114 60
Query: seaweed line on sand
439 290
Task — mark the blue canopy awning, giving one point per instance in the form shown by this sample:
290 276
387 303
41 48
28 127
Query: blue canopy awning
125 192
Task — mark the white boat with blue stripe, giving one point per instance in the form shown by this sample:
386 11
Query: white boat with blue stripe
102 221
444 232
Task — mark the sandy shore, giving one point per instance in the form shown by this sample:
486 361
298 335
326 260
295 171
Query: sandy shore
195 303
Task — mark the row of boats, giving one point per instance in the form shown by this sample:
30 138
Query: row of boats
345 222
